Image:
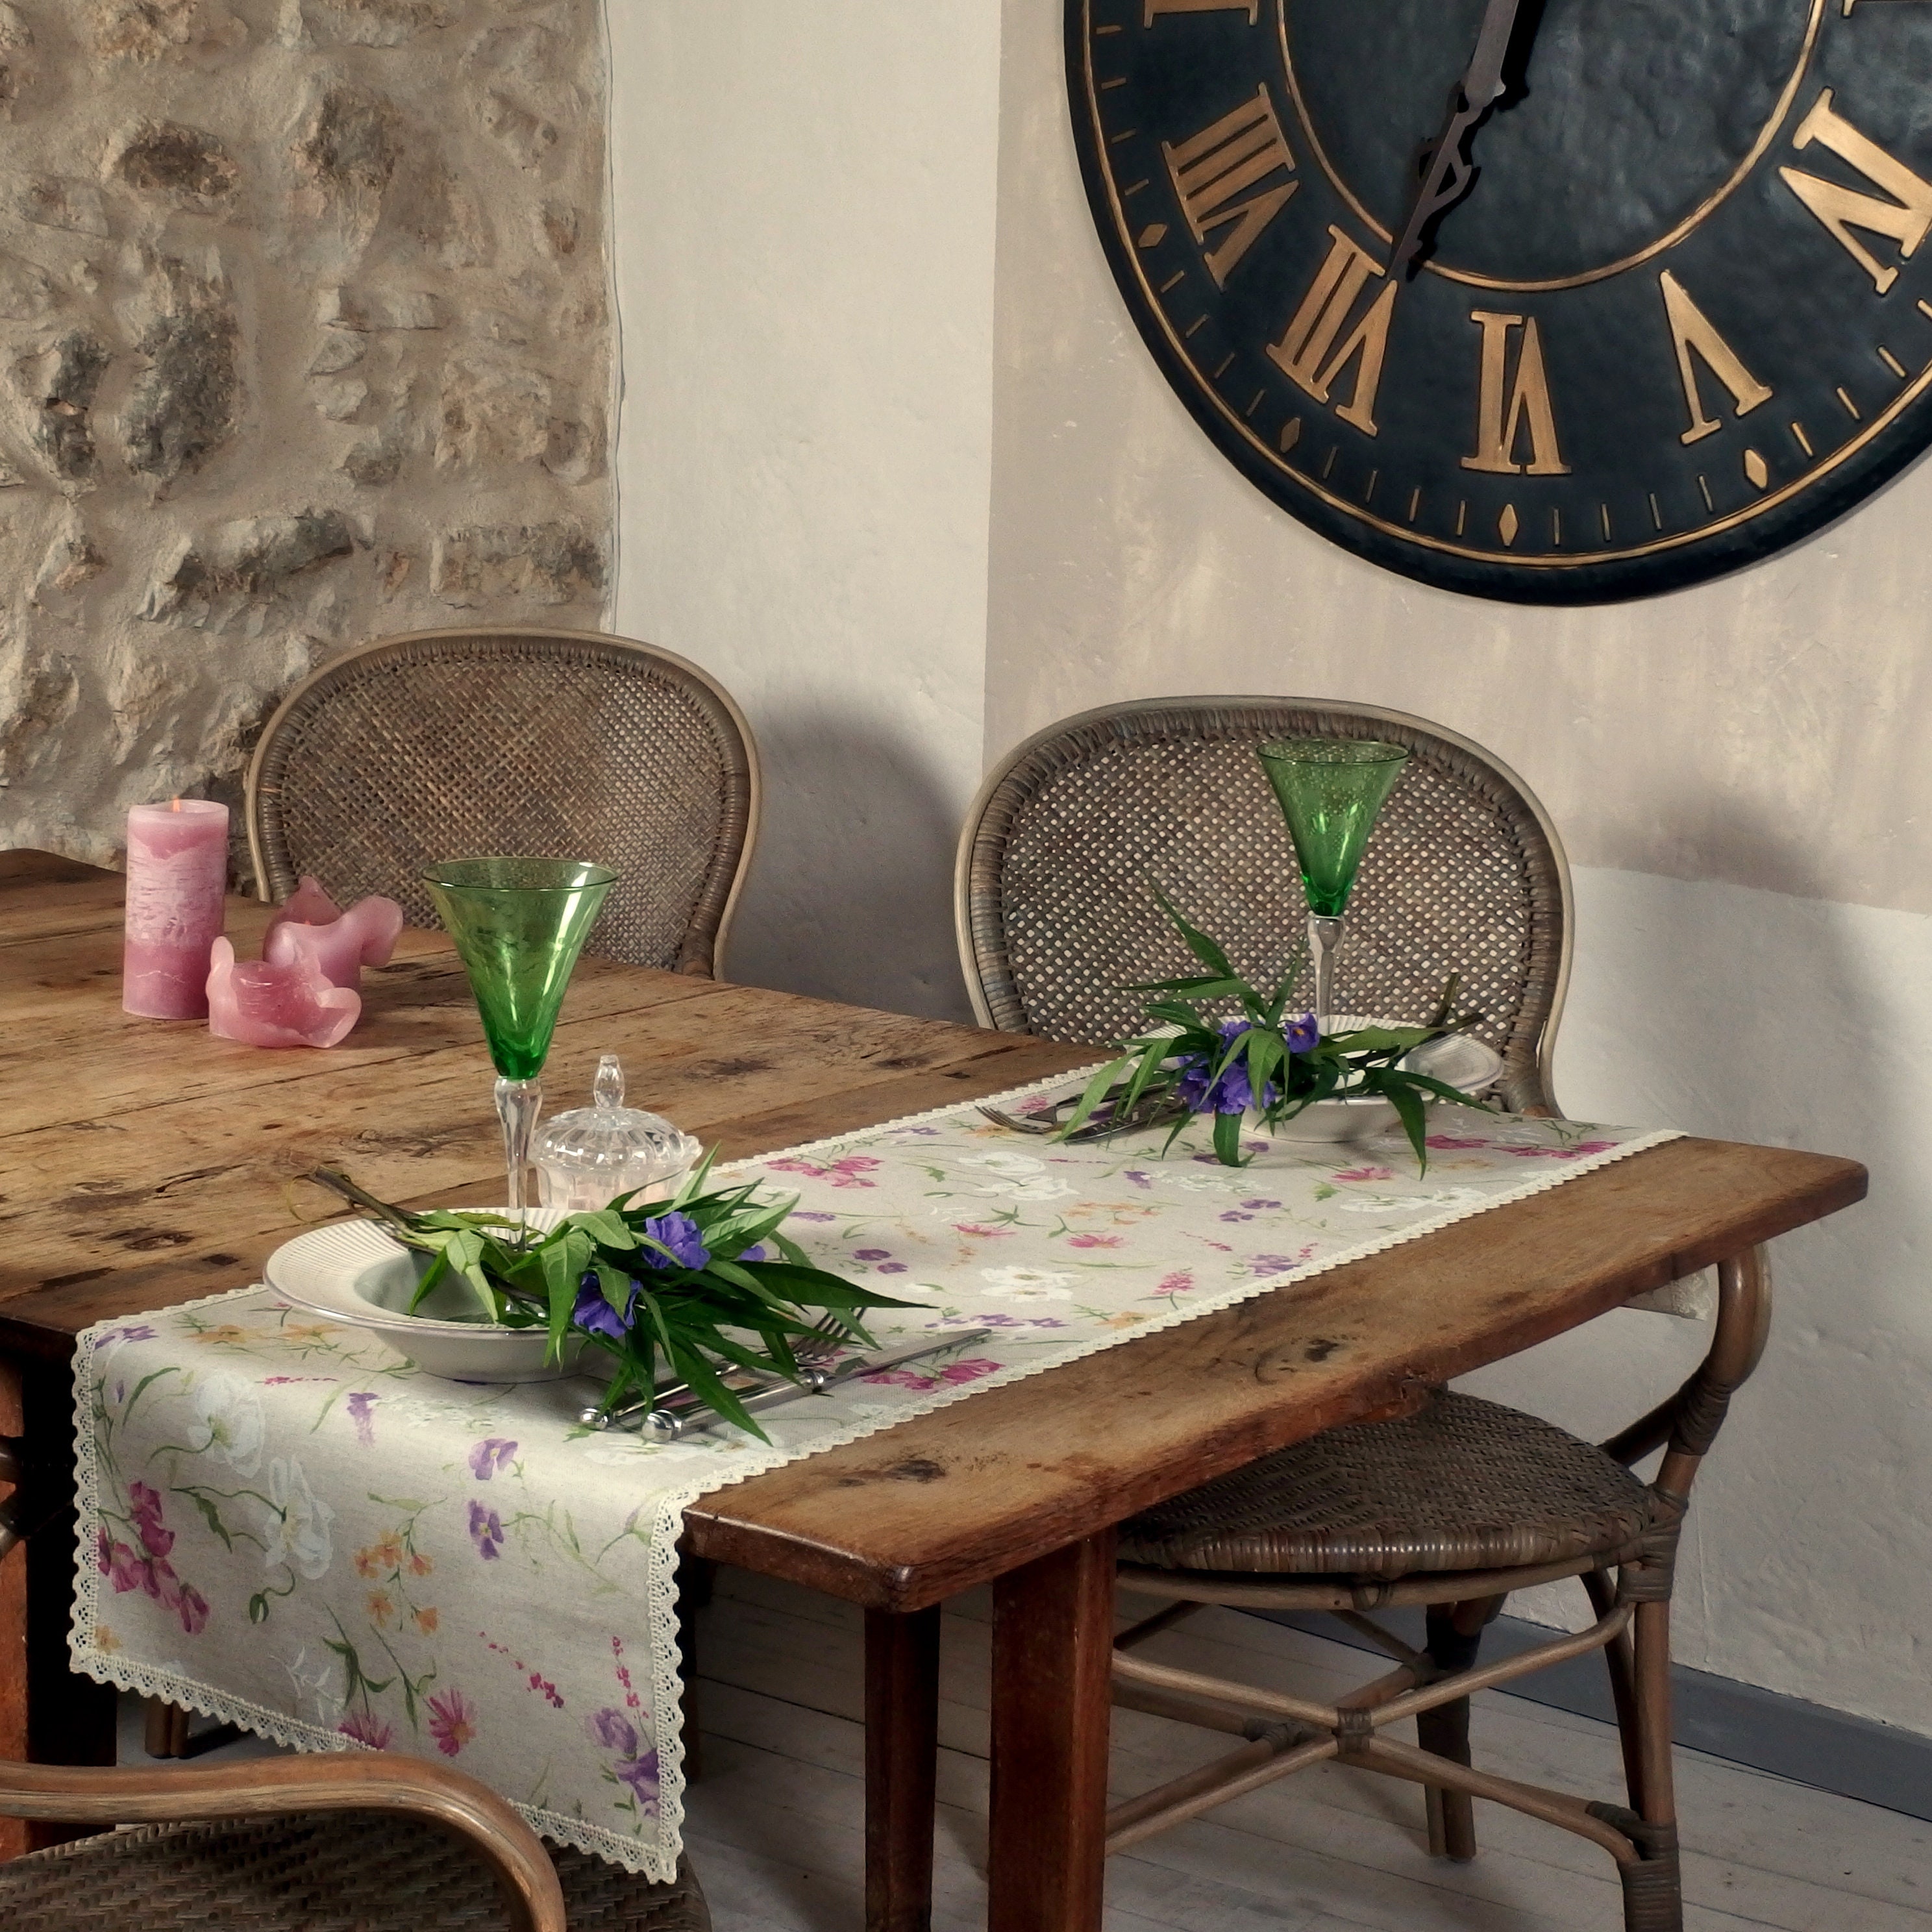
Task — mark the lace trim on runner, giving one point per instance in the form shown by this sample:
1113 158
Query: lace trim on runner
658 1862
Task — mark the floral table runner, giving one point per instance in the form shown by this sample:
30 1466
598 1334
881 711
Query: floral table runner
284 1525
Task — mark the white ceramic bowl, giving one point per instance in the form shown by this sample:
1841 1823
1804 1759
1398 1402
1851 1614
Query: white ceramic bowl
352 1272
1457 1060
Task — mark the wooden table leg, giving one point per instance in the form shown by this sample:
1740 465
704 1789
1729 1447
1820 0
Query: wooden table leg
1053 1640
901 1761
48 1715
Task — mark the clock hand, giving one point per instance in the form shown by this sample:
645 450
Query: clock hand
1450 171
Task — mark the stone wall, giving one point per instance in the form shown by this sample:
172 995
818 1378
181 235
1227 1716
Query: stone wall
303 338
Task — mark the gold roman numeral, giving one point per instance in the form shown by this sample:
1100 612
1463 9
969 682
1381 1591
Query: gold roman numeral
1499 426
1226 158
1250 8
1307 351
1905 218
1691 328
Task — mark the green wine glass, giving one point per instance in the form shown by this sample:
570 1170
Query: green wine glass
1330 791
519 925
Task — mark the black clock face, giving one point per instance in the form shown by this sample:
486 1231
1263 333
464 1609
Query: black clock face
1680 317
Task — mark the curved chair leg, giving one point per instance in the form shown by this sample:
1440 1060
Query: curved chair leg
1653 1887
1455 1635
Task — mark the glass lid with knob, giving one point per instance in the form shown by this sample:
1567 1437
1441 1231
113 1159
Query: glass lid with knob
587 1157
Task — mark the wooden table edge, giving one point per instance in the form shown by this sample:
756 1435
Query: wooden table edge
713 1531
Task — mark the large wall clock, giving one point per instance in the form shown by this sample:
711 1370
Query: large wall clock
1559 300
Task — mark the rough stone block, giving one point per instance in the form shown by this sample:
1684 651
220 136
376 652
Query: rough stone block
368 309
27 292
184 404
61 201
340 350
72 559
19 66
374 464
362 23
528 137
253 556
353 140
548 563
58 388
338 398
150 30
188 165
494 411
40 692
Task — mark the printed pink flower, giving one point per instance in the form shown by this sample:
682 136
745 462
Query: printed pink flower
849 1172
191 1606
1367 1174
1455 1141
983 1233
452 1722
1094 1241
144 1505
969 1371
125 1570
1561 1153
1178 1282
367 1728
492 1454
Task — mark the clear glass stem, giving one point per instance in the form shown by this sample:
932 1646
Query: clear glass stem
1324 941
518 1104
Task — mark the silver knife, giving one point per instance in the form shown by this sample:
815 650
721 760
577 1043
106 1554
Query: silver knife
671 1421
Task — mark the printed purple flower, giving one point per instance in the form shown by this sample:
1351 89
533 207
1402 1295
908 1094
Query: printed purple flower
594 1315
103 1551
486 1531
1274 1264
144 1505
361 1406
1138 1179
492 1454
892 1267
1255 1207
811 1214
871 1254
367 1729
611 1728
640 1774
682 1235
1303 1036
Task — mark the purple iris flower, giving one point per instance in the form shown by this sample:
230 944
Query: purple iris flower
1231 1094
682 1236
596 1316
1304 1035
755 1253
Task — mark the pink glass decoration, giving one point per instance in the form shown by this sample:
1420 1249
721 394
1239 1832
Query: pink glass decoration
177 881
340 943
264 1004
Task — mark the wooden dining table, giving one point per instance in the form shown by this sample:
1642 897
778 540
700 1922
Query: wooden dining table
144 1163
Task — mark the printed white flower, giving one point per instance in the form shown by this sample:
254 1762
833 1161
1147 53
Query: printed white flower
231 1411
1409 1204
1026 1284
315 1683
1012 1165
1203 1184
295 1531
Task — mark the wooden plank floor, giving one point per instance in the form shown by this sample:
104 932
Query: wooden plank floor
775 1824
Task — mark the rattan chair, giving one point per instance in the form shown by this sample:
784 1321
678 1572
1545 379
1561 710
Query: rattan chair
1449 1508
361 1842
566 744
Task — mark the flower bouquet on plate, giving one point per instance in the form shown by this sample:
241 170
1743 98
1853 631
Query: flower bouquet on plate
1260 1062
707 1279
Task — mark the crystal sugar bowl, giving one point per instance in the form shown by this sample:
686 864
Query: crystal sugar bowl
587 1157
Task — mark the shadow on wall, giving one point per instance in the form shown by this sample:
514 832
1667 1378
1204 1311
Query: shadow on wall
850 893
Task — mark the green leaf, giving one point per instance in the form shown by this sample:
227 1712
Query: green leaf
1408 1105
1227 1140
1204 949
1095 1092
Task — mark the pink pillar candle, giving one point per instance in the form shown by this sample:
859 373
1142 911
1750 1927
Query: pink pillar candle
177 887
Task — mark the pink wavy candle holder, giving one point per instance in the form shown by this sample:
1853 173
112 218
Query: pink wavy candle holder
262 1003
311 925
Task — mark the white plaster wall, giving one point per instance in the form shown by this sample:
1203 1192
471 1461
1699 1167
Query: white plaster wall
803 220
1742 754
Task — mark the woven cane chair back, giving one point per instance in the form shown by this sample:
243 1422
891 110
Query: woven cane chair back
1464 874
561 744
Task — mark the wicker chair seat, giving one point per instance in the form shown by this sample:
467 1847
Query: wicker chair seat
1463 1484
313 1872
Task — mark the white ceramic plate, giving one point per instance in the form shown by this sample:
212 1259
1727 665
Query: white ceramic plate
1457 1060
351 1271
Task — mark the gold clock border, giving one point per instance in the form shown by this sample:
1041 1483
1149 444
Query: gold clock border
1526 559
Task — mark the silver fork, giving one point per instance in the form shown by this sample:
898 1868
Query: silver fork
816 1346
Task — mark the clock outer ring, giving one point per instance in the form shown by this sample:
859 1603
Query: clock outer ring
1673 562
